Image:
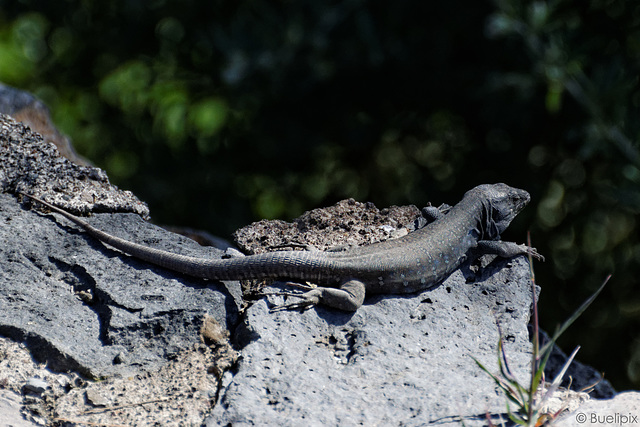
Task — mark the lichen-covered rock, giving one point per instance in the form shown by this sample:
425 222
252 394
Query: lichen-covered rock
347 223
29 164
26 108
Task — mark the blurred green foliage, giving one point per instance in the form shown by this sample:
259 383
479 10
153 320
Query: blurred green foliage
220 113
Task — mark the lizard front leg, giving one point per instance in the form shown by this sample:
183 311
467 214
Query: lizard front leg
349 297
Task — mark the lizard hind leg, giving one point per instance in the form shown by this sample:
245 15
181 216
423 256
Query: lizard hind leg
349 297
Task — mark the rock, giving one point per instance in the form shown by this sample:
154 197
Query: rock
88 311
26 108
30 165
347 223
159 341
36 385
622 410
124 315
179 393
398 360
10 416
57 283
95 398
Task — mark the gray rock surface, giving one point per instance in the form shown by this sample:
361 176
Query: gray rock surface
399 360
10 416
179 393
81 306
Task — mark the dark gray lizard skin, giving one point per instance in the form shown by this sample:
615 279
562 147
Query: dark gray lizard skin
411 263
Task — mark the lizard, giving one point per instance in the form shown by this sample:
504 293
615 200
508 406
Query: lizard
412 263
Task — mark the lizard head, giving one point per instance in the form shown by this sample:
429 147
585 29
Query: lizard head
501 205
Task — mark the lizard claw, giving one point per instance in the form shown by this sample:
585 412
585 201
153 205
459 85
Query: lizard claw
534 253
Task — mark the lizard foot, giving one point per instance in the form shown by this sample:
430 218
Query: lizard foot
307 300
534 253
348 297
505 249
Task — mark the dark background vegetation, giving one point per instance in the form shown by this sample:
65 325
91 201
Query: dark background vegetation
220 113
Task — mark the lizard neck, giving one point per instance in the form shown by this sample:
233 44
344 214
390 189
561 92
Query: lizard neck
488 230
472 216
